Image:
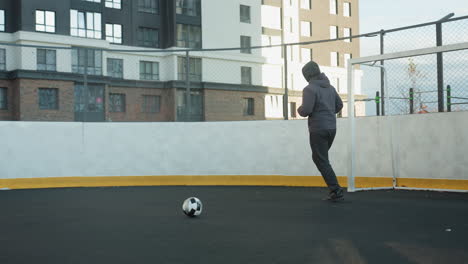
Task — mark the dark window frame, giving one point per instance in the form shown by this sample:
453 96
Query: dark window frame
245 14
111 36
148 6
3 98
113 4
188 10
188 36
148 106
48 98
2 59
111 68
42 60
246 80
94 61
2 22
149 75
249 106
195 69
148 37
246 43
117 103
54 26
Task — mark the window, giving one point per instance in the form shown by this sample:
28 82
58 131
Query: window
116 102
306 28
3 98
188 7
334 7
195 69
93 58
149 70
244 13
148 6
347 57
46 60
292 109
114 4
45 21
347 33
48 98
305 4
85 24
148 37
347 9
2 60
2 20
90 99
115 68
246 75
306 55
151 104
333 32
114 33
95 1
248 106
188 36
245 44
334 59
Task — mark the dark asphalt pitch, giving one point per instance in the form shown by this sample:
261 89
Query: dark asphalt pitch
238 225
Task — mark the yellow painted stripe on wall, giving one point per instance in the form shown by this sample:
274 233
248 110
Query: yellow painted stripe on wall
223 180
433 183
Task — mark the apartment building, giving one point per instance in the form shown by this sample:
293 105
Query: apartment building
135 69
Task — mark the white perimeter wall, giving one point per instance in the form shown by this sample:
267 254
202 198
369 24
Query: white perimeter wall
428 146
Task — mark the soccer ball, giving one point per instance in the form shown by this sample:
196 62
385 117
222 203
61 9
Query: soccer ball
192 206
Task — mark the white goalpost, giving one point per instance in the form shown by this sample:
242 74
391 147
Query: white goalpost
394 128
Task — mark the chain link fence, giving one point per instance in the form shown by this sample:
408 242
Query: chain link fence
63 82
422 84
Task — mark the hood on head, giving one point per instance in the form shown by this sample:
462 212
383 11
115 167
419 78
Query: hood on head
311 71
322 80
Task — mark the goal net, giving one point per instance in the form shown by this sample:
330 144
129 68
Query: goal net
417 141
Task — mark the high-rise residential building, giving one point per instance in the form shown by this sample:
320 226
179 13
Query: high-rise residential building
114 42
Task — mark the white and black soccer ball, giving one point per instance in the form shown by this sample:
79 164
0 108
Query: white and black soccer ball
192 206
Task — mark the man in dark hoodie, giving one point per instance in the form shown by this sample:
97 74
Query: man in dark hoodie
321 103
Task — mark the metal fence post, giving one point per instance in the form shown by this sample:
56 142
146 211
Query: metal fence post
440 69
449 99
382 77
187 86
411 100
85 82
377 103
286 95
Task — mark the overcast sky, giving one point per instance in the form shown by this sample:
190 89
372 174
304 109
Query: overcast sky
386 14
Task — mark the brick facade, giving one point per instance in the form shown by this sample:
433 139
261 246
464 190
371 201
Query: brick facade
218 105
134 101
9 113
29 100
221 105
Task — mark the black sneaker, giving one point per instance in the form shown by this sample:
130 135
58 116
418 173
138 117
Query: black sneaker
335 196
